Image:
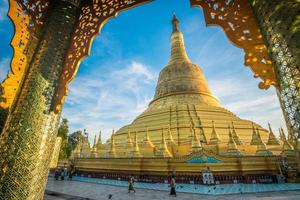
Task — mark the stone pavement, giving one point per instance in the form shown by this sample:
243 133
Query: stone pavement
82 190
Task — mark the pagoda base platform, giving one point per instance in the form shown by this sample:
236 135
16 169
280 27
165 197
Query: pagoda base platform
190 169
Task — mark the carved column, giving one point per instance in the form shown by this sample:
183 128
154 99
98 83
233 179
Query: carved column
29 133
280 27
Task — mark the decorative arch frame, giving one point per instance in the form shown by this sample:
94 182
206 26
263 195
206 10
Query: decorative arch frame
240 20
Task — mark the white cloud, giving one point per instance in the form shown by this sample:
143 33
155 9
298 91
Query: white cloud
243 97
112 96
135 69
4 68
110 100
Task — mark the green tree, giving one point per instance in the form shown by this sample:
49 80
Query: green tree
3 116
74 138
66 146
3 113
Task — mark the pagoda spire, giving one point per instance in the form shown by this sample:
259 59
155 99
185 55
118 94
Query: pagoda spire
112 151
214 138
178 52
261 146
254 140
181 76
129 141
86 148
170 136
191 132
147 148
287 148
235 135
232 148
202 134
291 138
272 138
100 146
99 142
147 141
163 150
195 143
94 148
135 150
175 23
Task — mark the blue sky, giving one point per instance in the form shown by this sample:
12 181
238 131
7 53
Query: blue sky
117 81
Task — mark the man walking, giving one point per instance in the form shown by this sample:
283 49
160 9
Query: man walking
172 185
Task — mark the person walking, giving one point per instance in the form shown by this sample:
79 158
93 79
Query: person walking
62 175
130 185
172 185
56 173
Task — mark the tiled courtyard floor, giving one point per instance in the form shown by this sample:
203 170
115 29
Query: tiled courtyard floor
83 190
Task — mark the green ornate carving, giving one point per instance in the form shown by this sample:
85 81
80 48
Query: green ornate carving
29 133
279 21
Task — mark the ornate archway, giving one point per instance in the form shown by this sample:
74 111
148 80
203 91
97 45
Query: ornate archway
52 37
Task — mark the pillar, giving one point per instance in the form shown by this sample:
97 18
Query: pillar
28 136
279 21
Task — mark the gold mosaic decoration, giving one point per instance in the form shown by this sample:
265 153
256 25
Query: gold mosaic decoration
92 18
239 23
28 18
280 25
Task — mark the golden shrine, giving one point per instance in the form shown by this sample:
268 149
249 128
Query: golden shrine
186 130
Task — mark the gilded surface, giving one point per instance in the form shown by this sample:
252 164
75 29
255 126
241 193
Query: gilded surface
193 118
165 166
186 110
28 138
184 104
28 19
280 25
94 14
55 154
239 23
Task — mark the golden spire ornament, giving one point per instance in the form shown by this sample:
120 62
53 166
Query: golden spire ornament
272 140
112 152
129 145
163 150
254 140
214 138
195 143
287 148
147 141
94 148
100 146
135 150
232 148
178 52
261 149
235 135
170 136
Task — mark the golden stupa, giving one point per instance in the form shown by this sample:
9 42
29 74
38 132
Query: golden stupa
185 129
183 100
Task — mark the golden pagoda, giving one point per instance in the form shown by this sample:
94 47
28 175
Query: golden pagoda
200 132
183 97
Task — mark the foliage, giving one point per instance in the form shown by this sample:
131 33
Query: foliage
3 116
74 138
3 113
66 146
